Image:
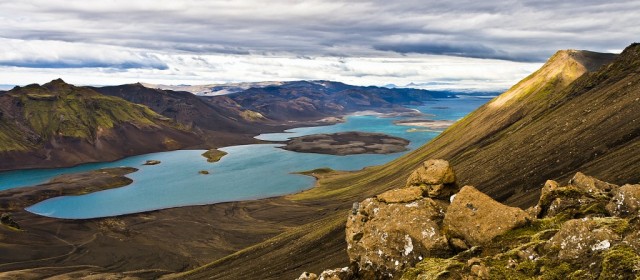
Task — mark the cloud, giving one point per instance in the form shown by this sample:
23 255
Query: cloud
425 71
491 29
56 54
470 50
148 37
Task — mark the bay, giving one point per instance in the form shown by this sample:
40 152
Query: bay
247 172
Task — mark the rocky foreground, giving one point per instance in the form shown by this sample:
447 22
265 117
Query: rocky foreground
432 229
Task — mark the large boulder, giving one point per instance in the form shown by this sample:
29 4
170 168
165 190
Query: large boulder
625 201
384 238
591 185
577 200
477 218
435 177
401 195
583 237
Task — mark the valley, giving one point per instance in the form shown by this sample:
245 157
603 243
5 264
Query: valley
564 118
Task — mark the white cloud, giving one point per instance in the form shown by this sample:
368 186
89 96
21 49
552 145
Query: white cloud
441 71
362 42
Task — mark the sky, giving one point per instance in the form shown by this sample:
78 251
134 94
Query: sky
465 44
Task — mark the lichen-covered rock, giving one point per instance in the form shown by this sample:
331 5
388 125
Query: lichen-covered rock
401 195
344 273
308 276
549 186
384 239
591 185
435 177
625 201
581 237
477 218
571 202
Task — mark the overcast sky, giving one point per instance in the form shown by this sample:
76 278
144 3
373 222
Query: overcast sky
435 44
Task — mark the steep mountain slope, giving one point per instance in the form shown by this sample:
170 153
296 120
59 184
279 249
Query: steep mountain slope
318 99
58 124
560 120
221 123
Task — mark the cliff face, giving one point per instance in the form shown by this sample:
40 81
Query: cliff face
58 124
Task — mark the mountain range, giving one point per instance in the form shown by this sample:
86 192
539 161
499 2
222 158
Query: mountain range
58 124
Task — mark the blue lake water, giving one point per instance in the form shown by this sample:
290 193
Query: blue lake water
247 172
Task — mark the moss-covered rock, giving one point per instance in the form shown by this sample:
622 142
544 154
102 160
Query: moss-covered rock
582 237
625 201
621 262
477 218
435 177
384 239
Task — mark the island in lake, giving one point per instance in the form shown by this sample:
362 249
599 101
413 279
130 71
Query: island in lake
347 143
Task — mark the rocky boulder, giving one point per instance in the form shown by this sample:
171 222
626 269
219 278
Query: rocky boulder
385 237
435 177
344 273
581 198
625 201
308 276
401 195
477 218
581 237
591 185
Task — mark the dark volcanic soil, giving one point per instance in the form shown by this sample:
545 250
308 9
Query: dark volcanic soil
148 245
347 143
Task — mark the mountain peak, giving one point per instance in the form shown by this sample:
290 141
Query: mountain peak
57 84
564 67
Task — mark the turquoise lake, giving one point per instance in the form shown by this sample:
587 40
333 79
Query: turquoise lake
247 172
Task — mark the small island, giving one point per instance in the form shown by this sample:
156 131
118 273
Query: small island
151 162
214 155
347 143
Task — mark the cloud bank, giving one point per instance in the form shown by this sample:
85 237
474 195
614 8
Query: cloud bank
195 40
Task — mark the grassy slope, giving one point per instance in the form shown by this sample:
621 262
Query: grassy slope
549 127
57 109
60 125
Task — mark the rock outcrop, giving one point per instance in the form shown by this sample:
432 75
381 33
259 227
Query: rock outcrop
625 201
385 238
477 218
585 229
435 177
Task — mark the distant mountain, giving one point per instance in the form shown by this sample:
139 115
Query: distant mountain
220 122
57 124
317 99
259 107
214 89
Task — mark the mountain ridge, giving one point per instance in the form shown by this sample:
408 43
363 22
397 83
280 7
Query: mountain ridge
57 124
